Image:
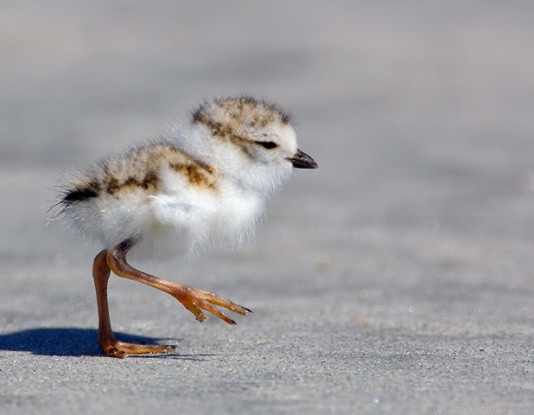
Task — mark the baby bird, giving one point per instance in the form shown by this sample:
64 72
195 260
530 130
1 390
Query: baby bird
205 185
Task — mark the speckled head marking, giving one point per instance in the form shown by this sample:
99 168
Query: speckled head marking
233 119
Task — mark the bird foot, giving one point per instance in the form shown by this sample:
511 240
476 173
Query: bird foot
116 348
196 300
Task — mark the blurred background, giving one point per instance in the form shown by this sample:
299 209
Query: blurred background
419 113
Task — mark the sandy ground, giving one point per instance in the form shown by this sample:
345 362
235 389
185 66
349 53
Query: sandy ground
397 278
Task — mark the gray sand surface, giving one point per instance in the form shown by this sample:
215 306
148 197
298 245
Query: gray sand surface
396 279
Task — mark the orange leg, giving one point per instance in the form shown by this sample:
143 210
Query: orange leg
107 340
194 299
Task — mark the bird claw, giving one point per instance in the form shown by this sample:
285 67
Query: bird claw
196 311
196 300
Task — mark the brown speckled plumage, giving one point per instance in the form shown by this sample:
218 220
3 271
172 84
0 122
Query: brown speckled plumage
233 119
139 168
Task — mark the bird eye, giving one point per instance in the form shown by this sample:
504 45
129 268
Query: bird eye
269 145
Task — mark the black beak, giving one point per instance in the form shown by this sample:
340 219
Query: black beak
302 161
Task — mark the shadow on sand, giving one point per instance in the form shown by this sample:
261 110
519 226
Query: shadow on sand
70 342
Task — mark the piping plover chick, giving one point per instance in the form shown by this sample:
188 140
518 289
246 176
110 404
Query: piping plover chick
205 184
